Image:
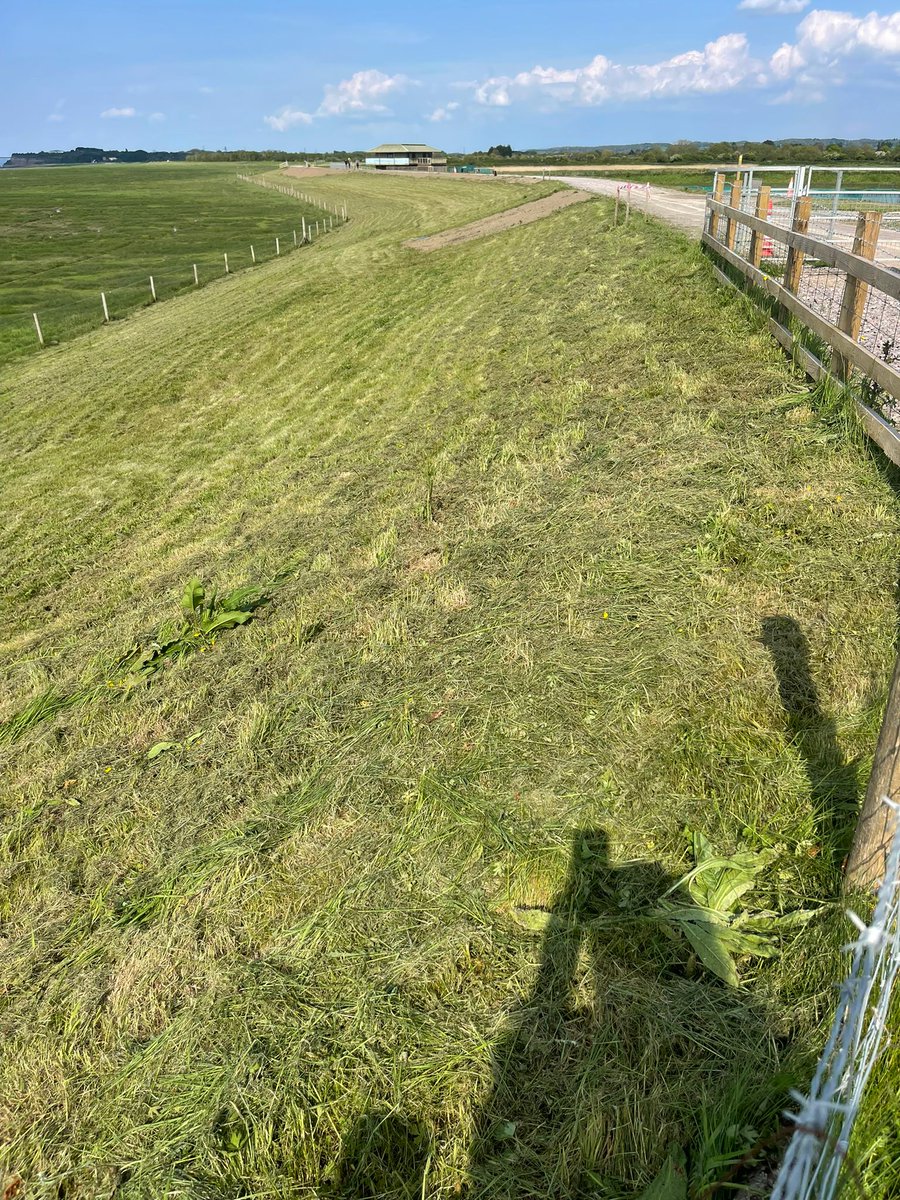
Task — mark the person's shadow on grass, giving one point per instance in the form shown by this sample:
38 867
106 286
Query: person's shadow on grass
834 782
383 1155
608 1063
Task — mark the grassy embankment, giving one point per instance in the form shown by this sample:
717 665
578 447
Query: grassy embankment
68 233
559 562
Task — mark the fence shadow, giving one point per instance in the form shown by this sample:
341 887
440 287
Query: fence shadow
834 782
608 1064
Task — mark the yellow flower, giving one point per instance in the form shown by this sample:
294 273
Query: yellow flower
107 770
606 616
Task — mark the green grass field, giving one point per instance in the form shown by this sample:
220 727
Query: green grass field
554 558
66 234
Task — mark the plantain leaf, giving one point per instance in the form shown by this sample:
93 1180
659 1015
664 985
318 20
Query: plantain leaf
712 951
224 620
194 595
162 748
671 1182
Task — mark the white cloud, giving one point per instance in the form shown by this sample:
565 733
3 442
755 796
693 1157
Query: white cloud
157 116
205 91
118 112
825 36
362 92
720 66
445 113
778 7
56 116
286 118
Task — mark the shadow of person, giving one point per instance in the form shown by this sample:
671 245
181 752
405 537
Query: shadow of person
834 782
619 1044
383 1155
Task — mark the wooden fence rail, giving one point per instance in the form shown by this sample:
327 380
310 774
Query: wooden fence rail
861 275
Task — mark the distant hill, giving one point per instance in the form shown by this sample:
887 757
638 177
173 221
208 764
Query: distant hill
91 154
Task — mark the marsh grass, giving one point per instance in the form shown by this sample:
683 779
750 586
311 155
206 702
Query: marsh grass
288 960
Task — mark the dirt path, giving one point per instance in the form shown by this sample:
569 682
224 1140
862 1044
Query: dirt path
676 208
534 210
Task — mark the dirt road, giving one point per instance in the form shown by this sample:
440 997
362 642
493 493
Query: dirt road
534 210
683 211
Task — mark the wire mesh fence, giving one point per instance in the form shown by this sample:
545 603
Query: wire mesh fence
817 1163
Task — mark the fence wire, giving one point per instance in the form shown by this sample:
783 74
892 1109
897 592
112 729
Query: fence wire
816 1164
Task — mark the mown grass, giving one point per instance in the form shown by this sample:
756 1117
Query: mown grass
66 234
561 561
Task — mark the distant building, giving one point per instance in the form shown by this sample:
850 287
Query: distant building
413 157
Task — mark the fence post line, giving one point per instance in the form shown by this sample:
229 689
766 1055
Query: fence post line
762 211
718 195
105 309
37 329
794 266
152 288
196 278
731 225
877 821
853 305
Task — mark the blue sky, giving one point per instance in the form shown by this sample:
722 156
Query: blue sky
168 75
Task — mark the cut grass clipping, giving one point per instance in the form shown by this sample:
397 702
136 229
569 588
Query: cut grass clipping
575 565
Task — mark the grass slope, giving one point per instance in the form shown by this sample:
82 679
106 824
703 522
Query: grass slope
66 234
560 561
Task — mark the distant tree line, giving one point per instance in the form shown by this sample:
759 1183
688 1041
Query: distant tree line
766 153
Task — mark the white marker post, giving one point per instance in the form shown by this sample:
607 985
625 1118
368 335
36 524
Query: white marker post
226 264
152 288
105 309
277 246
37 327
253 254
295 237
303 227
196 278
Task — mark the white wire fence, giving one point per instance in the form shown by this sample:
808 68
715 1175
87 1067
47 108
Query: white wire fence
817 1165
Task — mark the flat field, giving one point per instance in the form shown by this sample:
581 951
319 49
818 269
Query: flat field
690 179
553 561
68 233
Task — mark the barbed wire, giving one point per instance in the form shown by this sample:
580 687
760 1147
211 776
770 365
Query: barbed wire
816 1161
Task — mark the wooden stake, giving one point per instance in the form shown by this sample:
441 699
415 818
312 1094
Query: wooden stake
875 829
762 211
794 268
718 194
295 237
865 243
105 309
253 254
303 227
226 264
731 226
37 327
196 278
152 288
277 246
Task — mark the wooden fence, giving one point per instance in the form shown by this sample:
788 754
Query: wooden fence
860 280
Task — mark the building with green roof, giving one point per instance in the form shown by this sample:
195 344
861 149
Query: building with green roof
411 156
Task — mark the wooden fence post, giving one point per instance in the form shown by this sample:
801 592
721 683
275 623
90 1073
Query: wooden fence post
196 277
731 226
277 246
37 329
105 309
718 194
757 238
253 254
875 827
794 267
226 263
865 242
152 288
